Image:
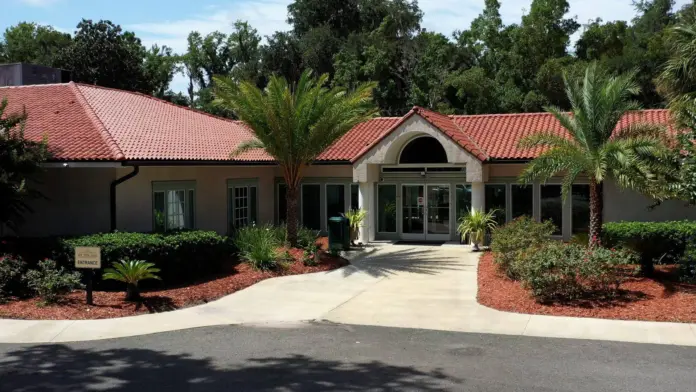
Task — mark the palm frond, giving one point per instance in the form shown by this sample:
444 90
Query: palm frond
246 146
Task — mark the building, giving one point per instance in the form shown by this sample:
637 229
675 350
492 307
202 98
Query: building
130 162
23 74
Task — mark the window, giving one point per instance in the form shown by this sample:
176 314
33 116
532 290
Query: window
386 205
242 201
354 197
495 200
522 200
424 149
311 202
580 209
282 204
552 206
463 200
335 200
173 205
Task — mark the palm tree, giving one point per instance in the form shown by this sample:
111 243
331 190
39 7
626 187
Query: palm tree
597 147
295 123
677 82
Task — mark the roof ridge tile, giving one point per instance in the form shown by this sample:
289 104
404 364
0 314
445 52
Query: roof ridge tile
104 133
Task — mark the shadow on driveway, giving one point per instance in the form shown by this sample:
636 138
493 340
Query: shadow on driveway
62 368
419 260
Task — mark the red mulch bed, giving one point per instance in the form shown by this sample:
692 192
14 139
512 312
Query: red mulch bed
111 304
659 298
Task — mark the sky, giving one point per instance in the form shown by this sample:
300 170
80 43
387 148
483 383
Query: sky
169 22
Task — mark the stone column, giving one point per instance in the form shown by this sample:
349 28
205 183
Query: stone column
478 196
367 203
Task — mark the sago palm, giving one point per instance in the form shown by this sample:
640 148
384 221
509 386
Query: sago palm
295 123
475 224
596 146
131 272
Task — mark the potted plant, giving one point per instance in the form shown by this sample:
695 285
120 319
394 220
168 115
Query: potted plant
131 272
474 224
355 219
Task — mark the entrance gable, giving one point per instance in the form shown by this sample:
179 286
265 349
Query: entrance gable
414 125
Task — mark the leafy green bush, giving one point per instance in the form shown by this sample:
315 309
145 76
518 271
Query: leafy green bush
310 256
12 270
512 241
306 238
663 242
557 271
50 282
258 246
180 255
687 264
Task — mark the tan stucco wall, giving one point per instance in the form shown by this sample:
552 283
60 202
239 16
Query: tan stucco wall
76 202
631 206
329 171
511 170
134 197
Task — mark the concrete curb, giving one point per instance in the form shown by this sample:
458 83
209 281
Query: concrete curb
351 295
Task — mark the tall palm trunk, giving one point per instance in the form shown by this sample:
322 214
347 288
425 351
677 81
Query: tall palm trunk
291 201
596 211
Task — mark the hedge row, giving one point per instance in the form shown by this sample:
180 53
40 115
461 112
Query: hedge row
180 255
663 242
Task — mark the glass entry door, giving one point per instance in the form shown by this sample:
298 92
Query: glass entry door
425 212
438 212
413 212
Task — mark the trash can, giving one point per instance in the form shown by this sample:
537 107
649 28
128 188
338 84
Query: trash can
339 233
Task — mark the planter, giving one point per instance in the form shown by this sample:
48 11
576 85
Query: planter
354 235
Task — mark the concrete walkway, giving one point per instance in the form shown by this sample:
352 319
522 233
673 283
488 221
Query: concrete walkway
390 285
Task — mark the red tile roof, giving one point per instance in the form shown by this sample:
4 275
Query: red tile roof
499 134
84 122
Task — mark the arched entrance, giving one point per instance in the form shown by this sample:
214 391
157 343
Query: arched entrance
425 192
424 149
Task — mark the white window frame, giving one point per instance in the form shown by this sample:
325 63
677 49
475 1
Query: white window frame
165 187
398 206
247 185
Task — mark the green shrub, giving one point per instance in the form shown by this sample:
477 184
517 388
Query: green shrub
306 238
258 246
655 242
512 241
50 282
557 271
687 264
181 255
310 256
12 270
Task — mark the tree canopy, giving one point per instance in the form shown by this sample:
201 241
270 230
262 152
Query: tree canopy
486 67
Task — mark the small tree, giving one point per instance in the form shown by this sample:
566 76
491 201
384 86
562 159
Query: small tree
635 156
677 83
20 160
294 123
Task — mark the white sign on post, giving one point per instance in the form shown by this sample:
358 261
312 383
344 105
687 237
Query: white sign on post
421 201
87 257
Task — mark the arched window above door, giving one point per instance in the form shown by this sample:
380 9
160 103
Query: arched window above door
424 149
